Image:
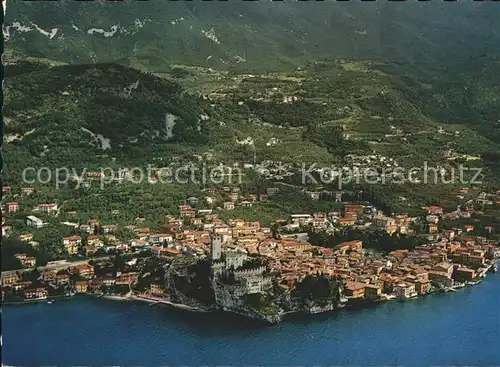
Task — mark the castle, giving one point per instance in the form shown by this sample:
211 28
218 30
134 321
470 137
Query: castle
231 264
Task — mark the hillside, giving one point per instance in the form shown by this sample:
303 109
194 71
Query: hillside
251 36
92 109
124 112
336 113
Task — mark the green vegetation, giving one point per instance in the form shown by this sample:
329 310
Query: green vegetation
293 114
318 288
193 281
376 240
260 303
255 36
373 109
332 138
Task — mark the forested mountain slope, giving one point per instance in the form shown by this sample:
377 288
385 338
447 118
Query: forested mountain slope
259 36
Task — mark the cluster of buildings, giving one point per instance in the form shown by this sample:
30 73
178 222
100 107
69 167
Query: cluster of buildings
360 216
400 274
74 279
449 257
234 274
227 198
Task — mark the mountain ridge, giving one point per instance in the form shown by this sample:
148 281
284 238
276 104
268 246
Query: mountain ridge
250 36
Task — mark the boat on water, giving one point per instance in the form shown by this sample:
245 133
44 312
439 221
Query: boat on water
49 302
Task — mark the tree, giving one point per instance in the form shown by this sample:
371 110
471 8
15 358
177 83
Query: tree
11 246
119 263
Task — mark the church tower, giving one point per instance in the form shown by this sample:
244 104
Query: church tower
215 247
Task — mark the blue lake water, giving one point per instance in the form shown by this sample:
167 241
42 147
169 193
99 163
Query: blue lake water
461 328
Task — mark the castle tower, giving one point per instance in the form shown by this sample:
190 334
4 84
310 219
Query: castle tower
215 247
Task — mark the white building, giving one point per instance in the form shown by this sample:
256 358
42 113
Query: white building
215 247
256 284
234 259
301 219
33 221
405 290
47 208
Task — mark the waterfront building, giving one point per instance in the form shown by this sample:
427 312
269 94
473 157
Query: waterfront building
405 290
49 276
354 290
127 278
444 267
423 286
464 274
22 285
62 279
81 286
10 278
108 281
157 289
372 291
469 257
440 278
38 293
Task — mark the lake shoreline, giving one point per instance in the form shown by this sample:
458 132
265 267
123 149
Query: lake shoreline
355 305
130 333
